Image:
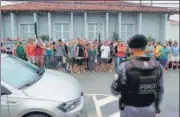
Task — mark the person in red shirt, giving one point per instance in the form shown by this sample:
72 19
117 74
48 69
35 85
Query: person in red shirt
121 51
39 53
30 51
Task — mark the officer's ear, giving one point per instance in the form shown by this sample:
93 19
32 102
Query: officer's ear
132 50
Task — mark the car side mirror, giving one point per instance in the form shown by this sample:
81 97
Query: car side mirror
5 91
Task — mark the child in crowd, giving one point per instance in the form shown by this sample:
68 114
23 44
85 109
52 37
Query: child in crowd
149 49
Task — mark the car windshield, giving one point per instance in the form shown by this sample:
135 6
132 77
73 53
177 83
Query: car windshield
17 72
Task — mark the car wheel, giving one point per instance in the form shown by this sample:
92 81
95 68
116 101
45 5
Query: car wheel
37 115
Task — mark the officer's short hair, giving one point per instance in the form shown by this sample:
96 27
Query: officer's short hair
137 41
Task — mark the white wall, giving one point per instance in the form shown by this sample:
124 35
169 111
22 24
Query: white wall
7 26
43 24
79 28
173 32
151 25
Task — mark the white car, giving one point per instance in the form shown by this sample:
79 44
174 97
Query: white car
29 91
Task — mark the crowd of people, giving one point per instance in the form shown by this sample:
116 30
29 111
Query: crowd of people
78 55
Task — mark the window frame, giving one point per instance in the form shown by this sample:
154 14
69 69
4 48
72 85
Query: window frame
62 30
125 31
29 30
95 31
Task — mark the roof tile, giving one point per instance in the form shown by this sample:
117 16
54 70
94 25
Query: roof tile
84 6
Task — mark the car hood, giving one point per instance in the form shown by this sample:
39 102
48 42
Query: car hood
55 86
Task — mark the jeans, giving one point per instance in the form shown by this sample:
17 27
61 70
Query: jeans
119 60
47 61
131 111
91 63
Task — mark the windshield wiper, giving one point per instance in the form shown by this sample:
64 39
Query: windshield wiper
40 72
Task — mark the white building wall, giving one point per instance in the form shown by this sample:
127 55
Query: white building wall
7 26
79 31
113 25
172 32
128 18
151 25
43 24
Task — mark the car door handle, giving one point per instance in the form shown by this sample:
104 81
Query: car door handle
11 102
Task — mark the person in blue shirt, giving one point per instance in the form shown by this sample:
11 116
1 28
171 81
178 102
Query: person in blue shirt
164 52
175 55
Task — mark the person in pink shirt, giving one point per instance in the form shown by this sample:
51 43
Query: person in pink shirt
39 53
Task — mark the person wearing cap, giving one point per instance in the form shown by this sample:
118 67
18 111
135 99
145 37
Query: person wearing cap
139 81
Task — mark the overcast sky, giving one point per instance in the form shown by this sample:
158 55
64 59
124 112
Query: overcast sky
167 3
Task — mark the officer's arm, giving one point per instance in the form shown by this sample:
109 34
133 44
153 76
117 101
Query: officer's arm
160 89
119 82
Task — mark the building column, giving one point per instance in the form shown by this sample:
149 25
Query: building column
50 25
1 26
72 26
107 26
140 23
36 21
85 25
12 25
119 25
165 23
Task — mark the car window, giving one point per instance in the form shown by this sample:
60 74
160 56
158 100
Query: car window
16 72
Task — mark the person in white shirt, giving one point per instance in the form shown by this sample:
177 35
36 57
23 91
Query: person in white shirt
105 55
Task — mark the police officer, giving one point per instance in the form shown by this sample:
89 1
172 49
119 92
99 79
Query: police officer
139 81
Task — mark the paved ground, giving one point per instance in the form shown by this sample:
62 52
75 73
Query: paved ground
100 103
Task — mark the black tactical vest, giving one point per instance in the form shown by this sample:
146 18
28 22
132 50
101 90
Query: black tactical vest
143 74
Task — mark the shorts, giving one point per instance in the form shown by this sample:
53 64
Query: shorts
104 60
31 59
85 61
110 61
175 58
72 61
80 61
39 59
170 57
163 62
